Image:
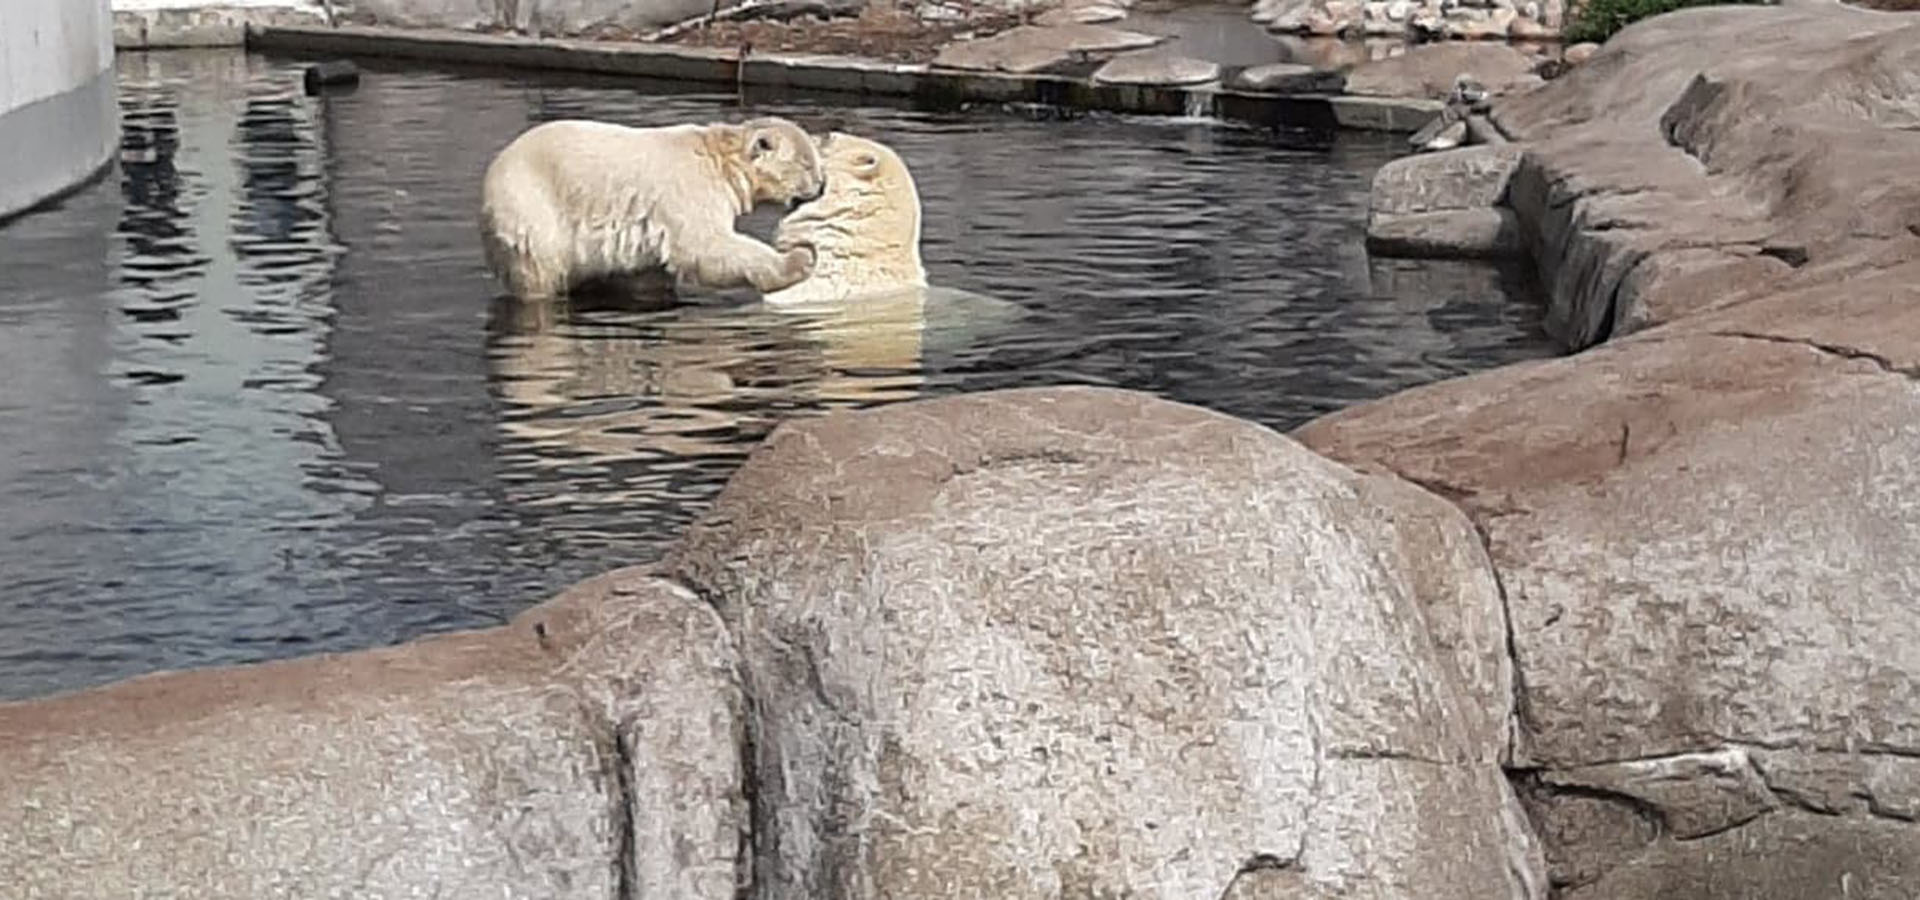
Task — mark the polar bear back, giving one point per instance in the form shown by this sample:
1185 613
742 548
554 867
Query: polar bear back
572 199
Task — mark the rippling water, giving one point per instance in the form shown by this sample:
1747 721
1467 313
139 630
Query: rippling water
262 399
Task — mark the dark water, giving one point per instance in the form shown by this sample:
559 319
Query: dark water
261 400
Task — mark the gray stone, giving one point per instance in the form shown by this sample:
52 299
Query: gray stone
1579 53
1031 48
1289 78
1398 114
527 760
1157 70
1449 234
1086 642
1615 180
1428 71
1466 178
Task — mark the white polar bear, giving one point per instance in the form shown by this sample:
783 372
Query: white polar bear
864 228
867 300
573 201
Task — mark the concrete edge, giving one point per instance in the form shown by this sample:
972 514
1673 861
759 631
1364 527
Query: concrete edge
60 145
842 74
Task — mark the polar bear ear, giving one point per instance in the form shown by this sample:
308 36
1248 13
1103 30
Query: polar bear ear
761 145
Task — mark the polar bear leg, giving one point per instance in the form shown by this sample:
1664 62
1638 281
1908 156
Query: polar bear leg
521 262
734 260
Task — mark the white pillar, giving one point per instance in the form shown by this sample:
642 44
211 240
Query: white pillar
58 124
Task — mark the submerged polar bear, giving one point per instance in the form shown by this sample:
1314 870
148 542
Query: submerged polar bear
573 201
864 228
867 300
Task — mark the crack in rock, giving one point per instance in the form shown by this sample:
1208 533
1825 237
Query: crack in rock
1885 364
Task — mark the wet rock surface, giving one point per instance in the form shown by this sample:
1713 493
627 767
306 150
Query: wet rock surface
1157 69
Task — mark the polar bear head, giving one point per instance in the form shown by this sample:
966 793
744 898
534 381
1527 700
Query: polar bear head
864 229
782 161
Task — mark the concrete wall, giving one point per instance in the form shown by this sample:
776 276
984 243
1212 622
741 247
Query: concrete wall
58 123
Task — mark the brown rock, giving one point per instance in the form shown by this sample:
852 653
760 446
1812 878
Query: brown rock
1704 545
1429 70
527 760
1031 48
1086 642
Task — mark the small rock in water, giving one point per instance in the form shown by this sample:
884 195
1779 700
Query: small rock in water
1290 78
1157 70
330 74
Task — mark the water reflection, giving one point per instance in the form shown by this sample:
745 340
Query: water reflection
269 400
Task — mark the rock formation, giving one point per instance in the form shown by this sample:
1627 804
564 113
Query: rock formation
1700 524
1635 623
585 750
1175 645
1427 19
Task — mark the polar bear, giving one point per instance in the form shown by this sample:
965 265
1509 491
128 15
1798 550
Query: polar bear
868 302
573 201
864 228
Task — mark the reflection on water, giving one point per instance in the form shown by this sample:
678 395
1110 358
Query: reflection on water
265 399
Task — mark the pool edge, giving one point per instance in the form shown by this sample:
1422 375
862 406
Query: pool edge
844 74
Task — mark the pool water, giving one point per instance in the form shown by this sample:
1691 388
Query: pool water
265 400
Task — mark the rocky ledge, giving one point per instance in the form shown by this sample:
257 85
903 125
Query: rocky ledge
1700 522
1422 19
1635 623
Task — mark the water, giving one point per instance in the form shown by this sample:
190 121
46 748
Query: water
262 399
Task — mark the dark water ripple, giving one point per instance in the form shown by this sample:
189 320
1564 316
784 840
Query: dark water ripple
262 400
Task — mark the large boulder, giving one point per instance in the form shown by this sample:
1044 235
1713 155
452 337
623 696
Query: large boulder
1084 642
586 750
1701 156
1709 555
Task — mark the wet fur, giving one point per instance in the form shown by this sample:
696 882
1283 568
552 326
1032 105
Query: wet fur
575 202
864 229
